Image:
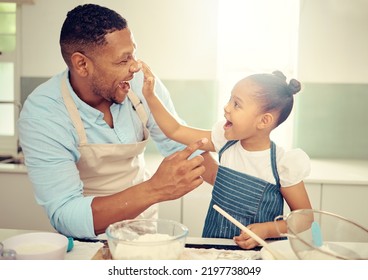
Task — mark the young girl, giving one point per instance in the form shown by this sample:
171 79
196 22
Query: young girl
254 176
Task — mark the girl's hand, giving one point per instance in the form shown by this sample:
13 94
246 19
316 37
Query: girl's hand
246 242
148 82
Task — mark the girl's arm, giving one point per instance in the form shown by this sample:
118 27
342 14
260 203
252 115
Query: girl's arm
296 197
167 122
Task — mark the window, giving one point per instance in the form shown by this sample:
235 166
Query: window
257 36
9 79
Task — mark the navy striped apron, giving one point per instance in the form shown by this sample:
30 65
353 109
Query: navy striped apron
247 198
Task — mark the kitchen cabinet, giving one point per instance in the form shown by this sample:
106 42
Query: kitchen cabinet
343 188
18 207
350 201
347 200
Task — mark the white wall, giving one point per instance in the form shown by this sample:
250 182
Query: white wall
177 38
333 41
41 24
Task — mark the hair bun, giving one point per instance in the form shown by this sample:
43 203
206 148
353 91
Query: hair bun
279 74
294 86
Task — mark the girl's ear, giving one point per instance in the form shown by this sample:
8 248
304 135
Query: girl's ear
80 63
267 121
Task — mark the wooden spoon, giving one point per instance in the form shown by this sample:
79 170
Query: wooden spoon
275 254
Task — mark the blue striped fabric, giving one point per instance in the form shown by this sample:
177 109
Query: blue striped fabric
247 198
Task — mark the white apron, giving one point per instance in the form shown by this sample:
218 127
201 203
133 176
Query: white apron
106 169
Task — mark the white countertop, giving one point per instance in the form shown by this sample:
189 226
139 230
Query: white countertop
338 172
12 168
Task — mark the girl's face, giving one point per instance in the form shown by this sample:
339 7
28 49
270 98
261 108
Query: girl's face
242 112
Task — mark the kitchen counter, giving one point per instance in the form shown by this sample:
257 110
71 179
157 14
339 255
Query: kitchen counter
322 171
12 168
338 172
94 250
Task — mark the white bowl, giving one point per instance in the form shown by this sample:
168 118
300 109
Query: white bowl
146 239
38 246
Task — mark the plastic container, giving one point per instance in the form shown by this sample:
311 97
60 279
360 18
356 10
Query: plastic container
37 246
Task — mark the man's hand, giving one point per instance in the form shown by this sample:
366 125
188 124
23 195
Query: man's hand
178 175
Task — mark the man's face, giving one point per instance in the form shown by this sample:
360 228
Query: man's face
114 65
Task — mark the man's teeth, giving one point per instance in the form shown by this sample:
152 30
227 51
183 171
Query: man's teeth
124 85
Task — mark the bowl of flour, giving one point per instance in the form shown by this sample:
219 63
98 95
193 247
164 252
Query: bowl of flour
146 239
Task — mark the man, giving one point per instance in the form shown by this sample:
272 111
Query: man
84 131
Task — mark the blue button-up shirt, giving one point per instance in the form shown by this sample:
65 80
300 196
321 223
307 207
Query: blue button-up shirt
50 146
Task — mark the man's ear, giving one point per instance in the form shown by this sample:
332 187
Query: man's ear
81 64
267 120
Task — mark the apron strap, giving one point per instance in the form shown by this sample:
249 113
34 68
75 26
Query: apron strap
273 158
225 147
138 107
73 111
273 163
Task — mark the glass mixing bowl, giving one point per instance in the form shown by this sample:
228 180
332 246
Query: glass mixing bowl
146 239
316 235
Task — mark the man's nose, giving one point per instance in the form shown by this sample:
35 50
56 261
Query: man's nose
135 66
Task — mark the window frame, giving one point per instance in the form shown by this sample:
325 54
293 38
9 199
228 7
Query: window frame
9 144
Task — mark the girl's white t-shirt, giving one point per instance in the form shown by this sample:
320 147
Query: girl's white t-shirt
293 165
